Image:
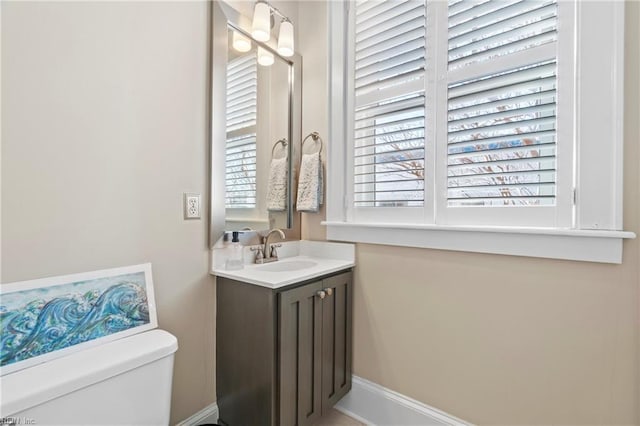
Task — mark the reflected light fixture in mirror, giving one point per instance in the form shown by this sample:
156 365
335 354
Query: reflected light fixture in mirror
261 28
241 43
285 38
265 58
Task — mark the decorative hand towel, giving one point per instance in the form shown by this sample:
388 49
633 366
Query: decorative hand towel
310 193
277 187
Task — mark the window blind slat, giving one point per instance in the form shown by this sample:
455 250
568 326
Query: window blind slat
363 129
544 37
535 175
503 164
388 146
502 129
397 106
241 118
502 13
384 13
241 95
412 33
395 156
532 75
487 149
365 6
512 115
393 70
480 9
457 50
487 105
459 6
391 21
397 86
387 56
403 30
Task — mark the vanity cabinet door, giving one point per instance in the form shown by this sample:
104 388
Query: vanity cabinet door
300 344
336 339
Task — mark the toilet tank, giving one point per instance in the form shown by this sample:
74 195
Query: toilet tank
124 382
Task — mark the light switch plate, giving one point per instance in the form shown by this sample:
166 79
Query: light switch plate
192 206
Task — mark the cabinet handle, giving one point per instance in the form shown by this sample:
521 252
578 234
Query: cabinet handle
329 291
321 293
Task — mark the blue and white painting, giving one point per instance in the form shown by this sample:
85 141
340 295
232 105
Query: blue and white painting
49 318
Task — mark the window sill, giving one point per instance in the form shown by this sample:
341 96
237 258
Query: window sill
569 244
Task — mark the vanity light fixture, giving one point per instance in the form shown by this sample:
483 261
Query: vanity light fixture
263 22
241 43
285 38
261 28
265 58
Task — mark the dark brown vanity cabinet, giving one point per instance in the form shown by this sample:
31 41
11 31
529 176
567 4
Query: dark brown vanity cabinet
283 355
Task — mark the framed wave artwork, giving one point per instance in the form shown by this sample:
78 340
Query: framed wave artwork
51 317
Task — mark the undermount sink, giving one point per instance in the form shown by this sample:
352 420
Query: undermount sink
292 265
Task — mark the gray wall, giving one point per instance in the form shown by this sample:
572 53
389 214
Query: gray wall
104 127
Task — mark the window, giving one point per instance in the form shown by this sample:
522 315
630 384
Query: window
240 173
475 115
389 104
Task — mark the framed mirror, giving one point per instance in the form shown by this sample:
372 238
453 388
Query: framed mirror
255 130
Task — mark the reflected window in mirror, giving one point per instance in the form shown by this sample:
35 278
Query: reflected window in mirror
257 118
240 171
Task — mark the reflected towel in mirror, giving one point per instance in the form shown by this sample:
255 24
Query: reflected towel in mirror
277 188
310 183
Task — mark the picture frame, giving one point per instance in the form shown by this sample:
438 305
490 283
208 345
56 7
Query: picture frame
48 318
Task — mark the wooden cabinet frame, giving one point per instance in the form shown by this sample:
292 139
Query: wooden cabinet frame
283 356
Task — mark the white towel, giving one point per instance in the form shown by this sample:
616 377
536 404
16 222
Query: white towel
310 191
277 188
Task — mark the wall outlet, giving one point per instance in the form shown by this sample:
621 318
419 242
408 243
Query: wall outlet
191 206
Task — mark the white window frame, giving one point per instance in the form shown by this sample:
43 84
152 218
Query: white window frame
595 232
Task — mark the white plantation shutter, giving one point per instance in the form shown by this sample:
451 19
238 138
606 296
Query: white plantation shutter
242 88
502 122
388 122
502 139
457 110
479 31
478 125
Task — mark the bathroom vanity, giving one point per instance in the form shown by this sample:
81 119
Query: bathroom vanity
283 340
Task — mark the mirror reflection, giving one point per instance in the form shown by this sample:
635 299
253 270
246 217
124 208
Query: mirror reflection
258 133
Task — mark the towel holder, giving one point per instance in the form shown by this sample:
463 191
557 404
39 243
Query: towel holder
316 137
282 141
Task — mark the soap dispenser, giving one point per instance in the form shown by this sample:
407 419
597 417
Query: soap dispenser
235 260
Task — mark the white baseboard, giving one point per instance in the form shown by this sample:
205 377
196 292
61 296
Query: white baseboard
373 404
208 414
368 403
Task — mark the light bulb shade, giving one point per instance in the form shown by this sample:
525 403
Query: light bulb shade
261 28
265 58
285 39
241 43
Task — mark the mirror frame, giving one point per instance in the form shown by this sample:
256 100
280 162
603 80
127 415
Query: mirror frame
224 16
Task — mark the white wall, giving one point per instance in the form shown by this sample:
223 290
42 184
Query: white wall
104 126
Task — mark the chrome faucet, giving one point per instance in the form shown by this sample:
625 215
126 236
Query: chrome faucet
267 252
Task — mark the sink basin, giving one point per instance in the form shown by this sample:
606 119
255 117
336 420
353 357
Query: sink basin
284 266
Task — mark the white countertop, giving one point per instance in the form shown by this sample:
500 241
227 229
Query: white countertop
326 258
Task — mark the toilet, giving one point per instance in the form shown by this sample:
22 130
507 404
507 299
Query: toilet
123 382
